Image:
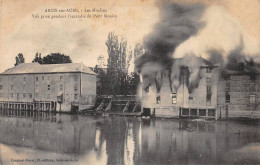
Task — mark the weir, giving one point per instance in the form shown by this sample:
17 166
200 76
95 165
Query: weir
119 103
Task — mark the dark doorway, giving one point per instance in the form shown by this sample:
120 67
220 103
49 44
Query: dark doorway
146 112
74 109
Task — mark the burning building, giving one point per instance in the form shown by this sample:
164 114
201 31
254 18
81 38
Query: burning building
218 93
199 61
173 95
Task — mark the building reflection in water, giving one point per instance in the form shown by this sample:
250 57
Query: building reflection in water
119 140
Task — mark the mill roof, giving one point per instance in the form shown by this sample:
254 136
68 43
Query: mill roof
32 68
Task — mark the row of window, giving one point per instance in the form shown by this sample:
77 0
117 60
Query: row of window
252 98
24 95
174 96
49 78
37 78
36 87
252 86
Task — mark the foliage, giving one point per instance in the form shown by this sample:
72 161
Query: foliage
115 79
38 58
19 59
56 58
101 80
101 61
118 63
53 58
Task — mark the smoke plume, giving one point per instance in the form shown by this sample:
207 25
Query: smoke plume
177 23
189 34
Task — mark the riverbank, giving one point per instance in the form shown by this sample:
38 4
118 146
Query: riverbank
139 114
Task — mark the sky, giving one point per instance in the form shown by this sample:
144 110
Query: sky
84 39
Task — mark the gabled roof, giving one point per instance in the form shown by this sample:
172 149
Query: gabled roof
33 68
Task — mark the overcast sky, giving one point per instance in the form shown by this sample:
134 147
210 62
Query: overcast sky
84 39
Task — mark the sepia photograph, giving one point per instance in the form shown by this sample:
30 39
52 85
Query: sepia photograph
120 82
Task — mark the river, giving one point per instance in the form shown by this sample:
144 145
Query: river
42 138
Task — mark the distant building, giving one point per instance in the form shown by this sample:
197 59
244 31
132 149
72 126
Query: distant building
48 87
239 94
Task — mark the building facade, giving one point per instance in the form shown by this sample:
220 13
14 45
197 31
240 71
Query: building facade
179 102
236 94
50 87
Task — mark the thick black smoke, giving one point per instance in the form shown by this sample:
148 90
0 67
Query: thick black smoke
236 62
178 22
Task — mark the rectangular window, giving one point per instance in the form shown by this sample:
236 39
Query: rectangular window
208 89
228 77
61 78
61 87
75 88
17 95
227 86
24 95
24 78
49 87
49 78
158 99
12 95
252 86
146 89
174 98
12 87
252 99
36 95
42 78
75 96
30 95
36 87
36 78
0 79
227 98
208 97
1 87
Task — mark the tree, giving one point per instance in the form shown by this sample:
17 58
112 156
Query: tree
102 79
38 58
101 61
118 62
56 58
19 59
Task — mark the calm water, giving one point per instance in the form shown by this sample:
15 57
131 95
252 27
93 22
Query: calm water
39 138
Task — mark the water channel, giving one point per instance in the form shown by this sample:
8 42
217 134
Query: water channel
44 138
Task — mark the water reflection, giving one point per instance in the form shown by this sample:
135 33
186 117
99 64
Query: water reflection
117 140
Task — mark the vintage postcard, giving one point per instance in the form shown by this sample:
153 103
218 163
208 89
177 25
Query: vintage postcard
119 82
